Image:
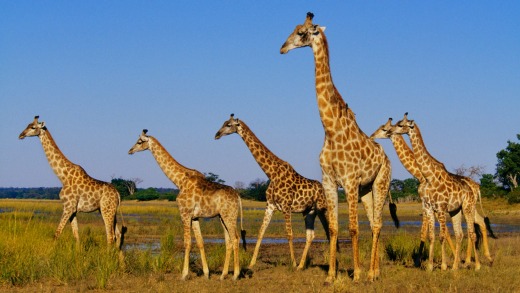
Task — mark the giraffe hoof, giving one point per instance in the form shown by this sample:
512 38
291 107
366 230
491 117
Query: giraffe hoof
429 267
329 281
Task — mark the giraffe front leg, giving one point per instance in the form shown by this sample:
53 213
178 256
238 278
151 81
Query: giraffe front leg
431 236
200 244
353 227
267 218
459 236
187 247
67 215
309 236
442 237
331 195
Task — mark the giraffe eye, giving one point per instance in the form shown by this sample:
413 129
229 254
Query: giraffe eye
301 34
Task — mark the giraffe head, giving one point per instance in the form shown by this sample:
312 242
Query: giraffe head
403 126
230 126
34 128
141 144
383 131
303 35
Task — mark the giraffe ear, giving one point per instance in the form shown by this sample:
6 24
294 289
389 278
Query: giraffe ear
323 28
42 124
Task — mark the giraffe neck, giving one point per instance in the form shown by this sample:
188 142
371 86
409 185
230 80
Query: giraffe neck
406 156
334 112
59 163
176 172
430 167
268 161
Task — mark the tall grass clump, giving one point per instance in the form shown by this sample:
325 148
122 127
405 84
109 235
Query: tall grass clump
23 248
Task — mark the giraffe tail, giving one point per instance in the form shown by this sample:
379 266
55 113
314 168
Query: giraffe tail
242 231
478 234
393 211
124 229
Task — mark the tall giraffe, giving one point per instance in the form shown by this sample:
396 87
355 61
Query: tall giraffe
448 193
198 198
80 192
288 191
349 157
406 156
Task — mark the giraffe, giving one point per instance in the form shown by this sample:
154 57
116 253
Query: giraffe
198 198
288 191
447 193
80 192
406 156
348 158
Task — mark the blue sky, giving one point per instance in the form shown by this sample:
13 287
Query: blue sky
98 72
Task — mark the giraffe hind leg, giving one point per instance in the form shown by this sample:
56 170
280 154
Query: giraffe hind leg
309 236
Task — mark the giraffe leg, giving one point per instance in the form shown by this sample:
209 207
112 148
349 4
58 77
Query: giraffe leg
424 234
74 225
288 230
376 199
480 221
309 236
108 216
469 214
186 221
353 226
200 244
68 213
331 195
459 236
441 216
225 269
234 242
267 218
431 236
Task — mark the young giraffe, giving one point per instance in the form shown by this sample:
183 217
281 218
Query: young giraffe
288 191
406 156
80 192
198 198
446 193
348 158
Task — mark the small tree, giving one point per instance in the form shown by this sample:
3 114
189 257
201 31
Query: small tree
256 190
508 166
472 172
213 178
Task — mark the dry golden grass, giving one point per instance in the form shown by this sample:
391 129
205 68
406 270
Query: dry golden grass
159 270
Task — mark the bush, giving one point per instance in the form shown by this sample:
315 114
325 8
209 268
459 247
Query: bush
514 196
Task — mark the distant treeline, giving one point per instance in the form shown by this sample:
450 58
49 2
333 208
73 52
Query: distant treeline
30 192
53 193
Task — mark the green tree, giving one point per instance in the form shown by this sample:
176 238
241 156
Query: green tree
508 166
126 187
256 190
147 194
213 178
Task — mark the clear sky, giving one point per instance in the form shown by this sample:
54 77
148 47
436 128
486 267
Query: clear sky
98 72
